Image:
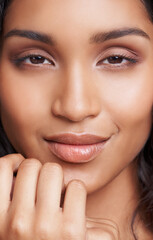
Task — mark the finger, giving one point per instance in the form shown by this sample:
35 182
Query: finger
49 190
98 222
75 205
8 165
104 224
99 234
102 229
24 194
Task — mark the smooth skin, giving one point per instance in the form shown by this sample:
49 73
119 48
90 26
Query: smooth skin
76 88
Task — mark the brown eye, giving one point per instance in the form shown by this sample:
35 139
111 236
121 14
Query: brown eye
34 60
115 60
37 59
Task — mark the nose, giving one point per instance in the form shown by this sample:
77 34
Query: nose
77 99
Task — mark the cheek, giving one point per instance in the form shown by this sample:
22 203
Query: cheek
135 119
129 98
23 103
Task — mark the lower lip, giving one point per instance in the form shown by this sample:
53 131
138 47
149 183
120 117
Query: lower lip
76 153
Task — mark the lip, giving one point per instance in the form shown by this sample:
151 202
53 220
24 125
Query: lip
76 148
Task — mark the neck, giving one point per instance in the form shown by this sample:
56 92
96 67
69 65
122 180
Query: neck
117 201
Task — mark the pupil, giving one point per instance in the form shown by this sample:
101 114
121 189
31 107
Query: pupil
37 59
115 59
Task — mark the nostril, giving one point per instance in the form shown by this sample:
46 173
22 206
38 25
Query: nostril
15 173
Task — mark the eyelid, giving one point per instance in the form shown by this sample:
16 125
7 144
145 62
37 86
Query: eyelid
113 51
33 52
122 52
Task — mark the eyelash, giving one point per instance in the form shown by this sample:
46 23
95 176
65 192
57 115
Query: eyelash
121 57
21 60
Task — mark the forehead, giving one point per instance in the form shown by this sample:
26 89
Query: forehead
70 16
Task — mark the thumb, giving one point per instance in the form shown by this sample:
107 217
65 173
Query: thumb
100 234
101 229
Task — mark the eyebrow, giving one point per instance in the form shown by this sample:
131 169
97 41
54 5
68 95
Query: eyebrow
96 38
37 36
114 34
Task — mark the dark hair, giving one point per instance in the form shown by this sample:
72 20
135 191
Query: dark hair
145 158
149 7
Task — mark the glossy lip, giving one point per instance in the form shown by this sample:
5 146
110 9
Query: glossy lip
76 148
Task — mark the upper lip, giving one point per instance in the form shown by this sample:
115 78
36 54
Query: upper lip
76 139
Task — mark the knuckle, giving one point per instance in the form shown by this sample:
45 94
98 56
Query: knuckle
10 162
18 226
30 163
44 231
53 167
14 156
70 231
4 164
77 184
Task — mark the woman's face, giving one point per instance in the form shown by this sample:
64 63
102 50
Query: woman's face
73 69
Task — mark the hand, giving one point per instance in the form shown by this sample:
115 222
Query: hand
102 229
34 212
